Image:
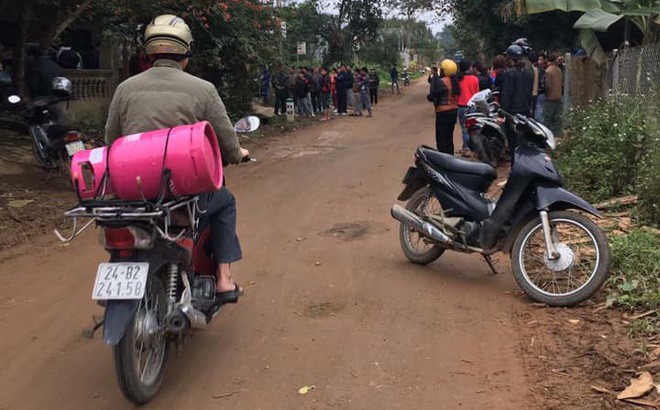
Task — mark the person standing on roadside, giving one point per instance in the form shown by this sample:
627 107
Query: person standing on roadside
479 70
349 90
552 109
333 88
469 85
374 83
394 78
326 93
443 92
265 87
363 92
343 84
541 65
291 87
302 94
316 90
516 91
280 81
499 66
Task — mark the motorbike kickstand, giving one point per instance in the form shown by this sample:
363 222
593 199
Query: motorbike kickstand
88 332
489 261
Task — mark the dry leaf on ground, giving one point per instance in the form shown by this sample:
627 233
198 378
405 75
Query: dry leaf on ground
306 389
638 387
19 203
642 402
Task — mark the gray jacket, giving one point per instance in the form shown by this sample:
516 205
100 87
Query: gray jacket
165 96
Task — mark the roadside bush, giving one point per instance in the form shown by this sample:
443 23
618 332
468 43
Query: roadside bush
648 180
635 281
598 158
611 149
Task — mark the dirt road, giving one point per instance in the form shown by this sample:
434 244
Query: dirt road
331 300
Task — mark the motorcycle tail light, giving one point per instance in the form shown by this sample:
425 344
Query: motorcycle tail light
126 238
72 136
470 122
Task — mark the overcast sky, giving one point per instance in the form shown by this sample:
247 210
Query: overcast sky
435 24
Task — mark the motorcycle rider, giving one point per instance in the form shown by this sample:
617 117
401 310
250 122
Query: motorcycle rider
41 72
166 96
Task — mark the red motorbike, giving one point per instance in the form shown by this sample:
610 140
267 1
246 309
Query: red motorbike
159 283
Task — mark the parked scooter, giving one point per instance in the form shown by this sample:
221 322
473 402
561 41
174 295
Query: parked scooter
406 78
158 286
53 141
487 136
559 257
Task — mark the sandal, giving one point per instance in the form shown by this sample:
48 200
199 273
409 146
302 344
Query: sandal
230 296
222 298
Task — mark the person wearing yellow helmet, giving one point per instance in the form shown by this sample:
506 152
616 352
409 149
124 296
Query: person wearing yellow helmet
165 96
443 93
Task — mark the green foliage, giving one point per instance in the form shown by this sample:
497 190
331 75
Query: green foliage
484 29
648 178
635 283
599 157
612 149
601 16
233 39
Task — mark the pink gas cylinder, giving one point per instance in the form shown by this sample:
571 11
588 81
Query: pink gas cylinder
190 152
87 170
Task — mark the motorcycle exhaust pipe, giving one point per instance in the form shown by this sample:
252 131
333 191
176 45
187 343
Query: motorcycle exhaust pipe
177 322
196 318
408 218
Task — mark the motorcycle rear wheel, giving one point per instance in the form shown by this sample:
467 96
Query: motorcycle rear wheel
141 355
580 271
44 161
417 247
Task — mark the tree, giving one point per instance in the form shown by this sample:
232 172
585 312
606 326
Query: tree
356 23
46 19
599 16
304 23
484 28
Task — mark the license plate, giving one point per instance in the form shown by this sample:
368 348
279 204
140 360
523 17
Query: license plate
122 280
73 147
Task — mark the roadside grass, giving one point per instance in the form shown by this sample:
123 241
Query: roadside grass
612 148
635 282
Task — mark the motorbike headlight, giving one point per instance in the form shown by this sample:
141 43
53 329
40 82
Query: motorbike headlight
549 136
543 132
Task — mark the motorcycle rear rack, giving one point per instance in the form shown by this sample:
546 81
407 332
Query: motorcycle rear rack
112 211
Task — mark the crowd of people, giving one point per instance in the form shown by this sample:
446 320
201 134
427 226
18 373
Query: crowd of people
528 83
322 92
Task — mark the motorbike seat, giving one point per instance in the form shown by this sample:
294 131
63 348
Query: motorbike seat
446 162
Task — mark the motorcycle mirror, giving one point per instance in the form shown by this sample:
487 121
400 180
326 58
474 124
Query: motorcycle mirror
247 124
14 99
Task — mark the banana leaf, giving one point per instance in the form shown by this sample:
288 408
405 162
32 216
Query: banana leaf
642 11
592 46
541 6
597 19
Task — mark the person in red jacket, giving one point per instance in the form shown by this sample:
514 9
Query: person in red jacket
469 85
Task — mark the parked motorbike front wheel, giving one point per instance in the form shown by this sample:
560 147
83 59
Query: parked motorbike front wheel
577 274
417 247
141 354
43 160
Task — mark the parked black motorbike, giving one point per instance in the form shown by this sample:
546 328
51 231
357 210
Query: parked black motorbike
406 78
559 256
487 136
53 141
159 284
